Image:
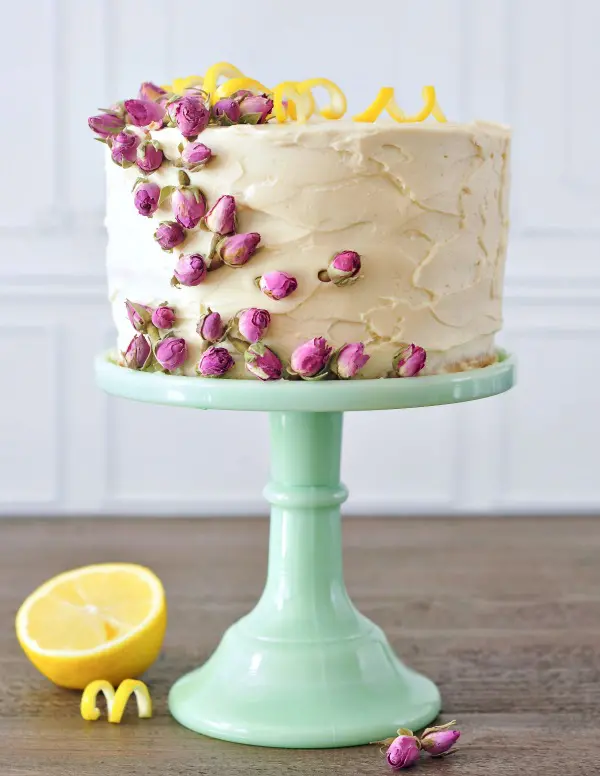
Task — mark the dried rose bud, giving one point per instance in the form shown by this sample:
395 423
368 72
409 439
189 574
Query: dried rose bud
310 358
150 91
277 284
214 362
343 268
255 108
195 155
226 111
403 752
189 206
349 360
123 148
145 113
409 361
149 156
145 198
237 249
211 327
163 317
440 742
169 234
106 124
220 219
253 323
439 739
139 315
190 270
263 363
189 113
171 353
138 353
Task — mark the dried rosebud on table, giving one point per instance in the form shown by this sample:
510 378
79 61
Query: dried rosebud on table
439 739
403 752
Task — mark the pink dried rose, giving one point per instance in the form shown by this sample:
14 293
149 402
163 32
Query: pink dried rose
123 148
139 315
145 113
253 323
262 362
215 362
195 155
169 235
255 108
403 752
138 353
190 270
189 113
150 91
149 156
349 360
409 361
107 124
220 219
311 358
211 327
277 284
163 317
145 198
189 206
226 111
440 739
343 268
237 249
171 353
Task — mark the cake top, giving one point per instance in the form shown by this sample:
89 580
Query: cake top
225 96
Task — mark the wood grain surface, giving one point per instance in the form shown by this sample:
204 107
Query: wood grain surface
503 614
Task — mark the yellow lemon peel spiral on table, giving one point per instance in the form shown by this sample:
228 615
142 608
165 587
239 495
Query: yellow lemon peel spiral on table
294 99
115 701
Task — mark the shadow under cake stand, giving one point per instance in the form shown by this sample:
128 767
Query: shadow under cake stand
304 669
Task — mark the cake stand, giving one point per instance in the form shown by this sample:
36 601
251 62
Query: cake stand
304 669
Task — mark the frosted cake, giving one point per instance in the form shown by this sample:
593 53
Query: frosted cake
253 235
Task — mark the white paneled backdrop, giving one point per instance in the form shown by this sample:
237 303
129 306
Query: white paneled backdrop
66 448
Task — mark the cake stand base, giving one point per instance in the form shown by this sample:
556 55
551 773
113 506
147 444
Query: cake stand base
304 669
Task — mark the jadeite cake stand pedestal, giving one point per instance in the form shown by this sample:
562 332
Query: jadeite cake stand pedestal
304 669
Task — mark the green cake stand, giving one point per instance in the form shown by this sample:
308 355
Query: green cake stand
304 669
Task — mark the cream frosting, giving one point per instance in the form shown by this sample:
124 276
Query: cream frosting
425 205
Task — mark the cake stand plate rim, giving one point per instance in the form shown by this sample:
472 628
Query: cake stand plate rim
301 396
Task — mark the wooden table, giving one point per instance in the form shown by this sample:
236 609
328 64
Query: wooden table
506 620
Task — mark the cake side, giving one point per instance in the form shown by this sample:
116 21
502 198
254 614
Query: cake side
424 205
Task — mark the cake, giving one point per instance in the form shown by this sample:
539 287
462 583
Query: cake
250 239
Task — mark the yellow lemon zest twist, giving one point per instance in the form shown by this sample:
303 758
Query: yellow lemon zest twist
338 103
212 75
291 91
385 100
115 701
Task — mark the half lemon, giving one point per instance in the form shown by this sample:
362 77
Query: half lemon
105 621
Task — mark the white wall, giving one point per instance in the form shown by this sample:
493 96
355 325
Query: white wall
66 448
